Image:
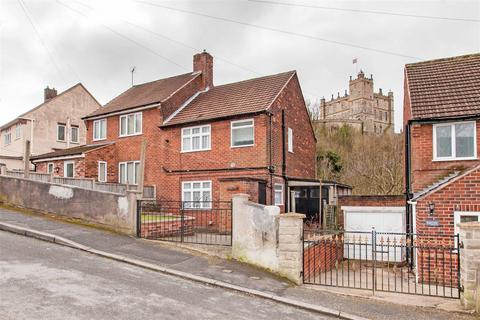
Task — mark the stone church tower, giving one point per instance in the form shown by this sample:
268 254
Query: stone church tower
362 108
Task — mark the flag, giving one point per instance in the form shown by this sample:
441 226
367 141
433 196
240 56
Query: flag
355 60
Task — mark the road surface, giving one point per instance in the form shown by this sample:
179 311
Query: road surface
41 280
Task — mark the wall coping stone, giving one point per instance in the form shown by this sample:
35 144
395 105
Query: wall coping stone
293 215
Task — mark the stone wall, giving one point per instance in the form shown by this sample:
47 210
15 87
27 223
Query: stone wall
470 264
265 238
111 210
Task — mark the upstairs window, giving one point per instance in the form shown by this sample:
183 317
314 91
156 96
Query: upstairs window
290 140
74 134
100 129
7 137
242 133
18 131
61 132
131 124
196 138
454 141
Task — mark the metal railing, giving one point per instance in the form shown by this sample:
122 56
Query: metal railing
201 222
149 192
380 261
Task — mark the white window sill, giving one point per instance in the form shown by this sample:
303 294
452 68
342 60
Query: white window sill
62 141
247 145
454 159
75 142
99 139
130 135
190 151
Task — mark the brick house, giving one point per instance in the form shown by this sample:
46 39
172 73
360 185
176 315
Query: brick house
53 125
206 142
442 136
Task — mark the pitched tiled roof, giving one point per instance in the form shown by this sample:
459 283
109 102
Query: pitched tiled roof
71 151
145 94
244 97
445 88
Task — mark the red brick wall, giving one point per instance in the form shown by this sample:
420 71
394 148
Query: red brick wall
108 154
58 167
372 201
424 170
321 256
182 95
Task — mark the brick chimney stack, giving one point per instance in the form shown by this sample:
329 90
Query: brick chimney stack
204 62
49 93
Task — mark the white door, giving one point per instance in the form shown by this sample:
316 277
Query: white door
359 223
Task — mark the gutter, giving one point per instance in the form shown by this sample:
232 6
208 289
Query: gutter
212 170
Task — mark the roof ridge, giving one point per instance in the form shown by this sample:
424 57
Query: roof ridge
178 75
453 58
257 78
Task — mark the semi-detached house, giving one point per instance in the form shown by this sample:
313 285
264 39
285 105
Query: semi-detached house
204 142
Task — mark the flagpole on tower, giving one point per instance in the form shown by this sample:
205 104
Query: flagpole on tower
355 62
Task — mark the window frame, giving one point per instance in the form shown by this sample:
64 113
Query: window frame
48 166
100 129
7 133
203 205
126 173
453 157
231 132
126 116
290 140
65 163
18 131
191 136
64 132
282 194
71 133
105 171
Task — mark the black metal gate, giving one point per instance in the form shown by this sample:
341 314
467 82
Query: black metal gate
380 261
201 222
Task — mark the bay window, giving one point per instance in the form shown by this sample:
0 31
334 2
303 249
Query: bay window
454 141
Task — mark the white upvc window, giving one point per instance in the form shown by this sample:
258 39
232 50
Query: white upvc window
454 141
196 138
278 189
130 124
197 194
61 127
18 131
128 172
290 140
74 134
100 129
7 137
50 167
242 133
102 171
68 169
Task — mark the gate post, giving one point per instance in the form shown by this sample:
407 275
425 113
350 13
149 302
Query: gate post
290 246
470 264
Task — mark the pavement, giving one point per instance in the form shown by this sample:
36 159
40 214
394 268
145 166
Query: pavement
42 280
238 275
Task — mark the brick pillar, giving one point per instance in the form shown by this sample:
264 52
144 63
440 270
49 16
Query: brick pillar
290 246
470 264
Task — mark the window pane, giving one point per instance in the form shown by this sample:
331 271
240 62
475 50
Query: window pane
187 196
186 131
464 140
197 196
123 125
130 124
69 170
468 218
196 185
74 134
242 136
122 173
186 144
444 141
103 129
278 197
138 123
205 142
130 172
195 143
206 129
195 130
243 123
61 133
206 185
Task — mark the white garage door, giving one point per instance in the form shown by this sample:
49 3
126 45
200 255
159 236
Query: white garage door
384 219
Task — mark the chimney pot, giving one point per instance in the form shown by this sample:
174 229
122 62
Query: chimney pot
49 93
203 62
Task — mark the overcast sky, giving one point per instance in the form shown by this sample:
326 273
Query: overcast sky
98 42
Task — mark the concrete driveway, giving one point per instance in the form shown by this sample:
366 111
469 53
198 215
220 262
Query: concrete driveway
40 280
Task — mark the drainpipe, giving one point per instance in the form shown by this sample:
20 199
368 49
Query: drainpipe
270 167
284 161
408 192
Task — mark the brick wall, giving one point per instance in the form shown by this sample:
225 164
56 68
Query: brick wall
108 154
320 256
424 170
59 166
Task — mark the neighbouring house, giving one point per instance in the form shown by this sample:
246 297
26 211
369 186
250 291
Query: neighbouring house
205 142
442 122
55 124
361 108
442 128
